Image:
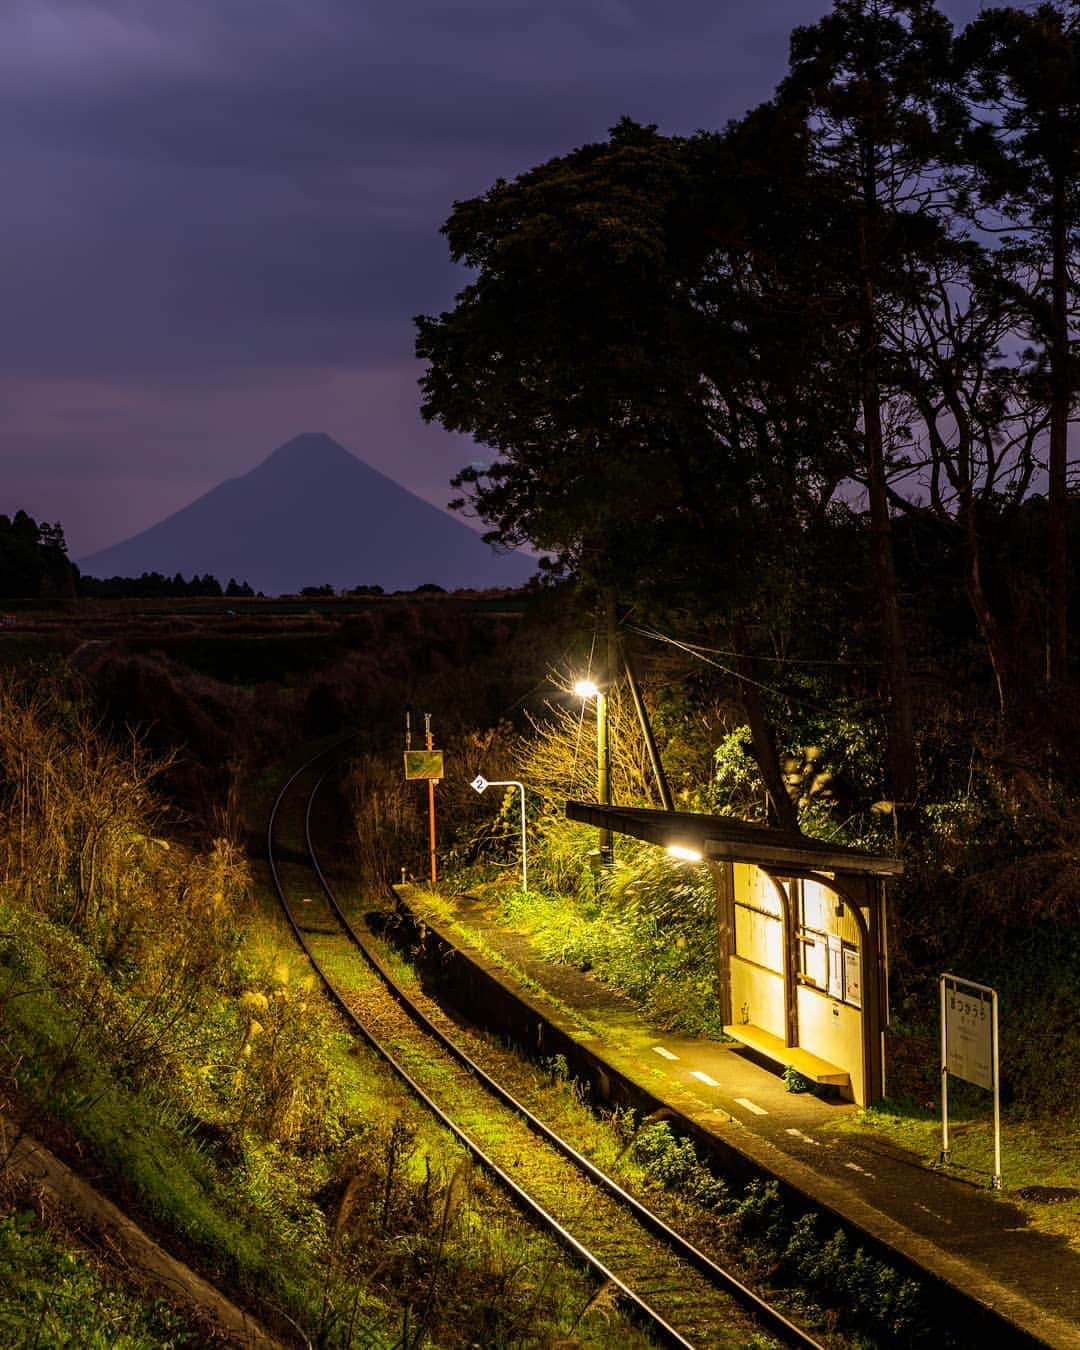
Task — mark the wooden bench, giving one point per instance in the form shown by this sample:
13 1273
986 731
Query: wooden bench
772 1047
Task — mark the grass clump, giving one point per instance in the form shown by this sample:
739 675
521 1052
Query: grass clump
55 1295
619 941
673 1161
859 1289
855 1292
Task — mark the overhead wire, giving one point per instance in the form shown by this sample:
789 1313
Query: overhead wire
778 660
700 655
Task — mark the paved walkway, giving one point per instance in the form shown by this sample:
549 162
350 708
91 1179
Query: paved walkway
974 1240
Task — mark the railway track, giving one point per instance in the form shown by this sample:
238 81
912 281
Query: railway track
676 1291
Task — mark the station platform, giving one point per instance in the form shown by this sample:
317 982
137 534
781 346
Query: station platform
1021 1287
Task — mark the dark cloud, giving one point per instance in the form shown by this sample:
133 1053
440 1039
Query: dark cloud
249 192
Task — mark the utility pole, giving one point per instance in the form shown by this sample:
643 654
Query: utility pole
427 764
603 726
429 744
662 785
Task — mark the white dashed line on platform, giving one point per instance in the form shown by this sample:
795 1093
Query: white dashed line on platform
751 1106
703 1078
861 1170
806 1138
666 1054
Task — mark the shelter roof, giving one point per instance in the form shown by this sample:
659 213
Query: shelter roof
725 839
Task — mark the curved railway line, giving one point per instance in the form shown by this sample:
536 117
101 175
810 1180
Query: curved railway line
676 1291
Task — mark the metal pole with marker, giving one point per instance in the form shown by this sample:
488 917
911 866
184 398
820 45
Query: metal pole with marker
429 744
481 784
428 764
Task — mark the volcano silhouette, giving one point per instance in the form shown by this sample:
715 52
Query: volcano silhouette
312 513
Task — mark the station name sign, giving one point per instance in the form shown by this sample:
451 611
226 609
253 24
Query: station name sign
969 1041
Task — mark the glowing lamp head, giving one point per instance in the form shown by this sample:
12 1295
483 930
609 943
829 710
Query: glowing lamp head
586 689
684 854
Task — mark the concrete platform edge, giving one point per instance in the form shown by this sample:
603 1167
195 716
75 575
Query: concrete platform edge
492 998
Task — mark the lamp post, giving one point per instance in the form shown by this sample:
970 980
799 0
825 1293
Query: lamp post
481 784
587 689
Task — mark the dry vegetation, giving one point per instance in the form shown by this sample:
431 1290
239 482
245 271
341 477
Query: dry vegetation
157 1028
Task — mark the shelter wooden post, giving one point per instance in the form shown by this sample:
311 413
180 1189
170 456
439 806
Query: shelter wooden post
724 885
877 987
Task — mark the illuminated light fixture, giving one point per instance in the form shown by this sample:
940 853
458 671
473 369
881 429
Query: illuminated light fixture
683 853
586 689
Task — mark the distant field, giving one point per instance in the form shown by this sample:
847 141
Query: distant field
239 641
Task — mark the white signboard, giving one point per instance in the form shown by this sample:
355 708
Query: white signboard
969 1042
852 977
969 1050
836 966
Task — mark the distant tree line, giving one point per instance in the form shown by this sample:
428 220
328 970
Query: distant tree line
33 559
154 585
34 565
324 591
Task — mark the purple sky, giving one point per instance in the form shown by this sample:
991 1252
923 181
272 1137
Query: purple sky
219 216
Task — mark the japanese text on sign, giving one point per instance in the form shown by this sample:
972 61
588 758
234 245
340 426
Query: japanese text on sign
969 1050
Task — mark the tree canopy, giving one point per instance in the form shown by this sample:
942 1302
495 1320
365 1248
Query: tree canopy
33 559
691 358
626 348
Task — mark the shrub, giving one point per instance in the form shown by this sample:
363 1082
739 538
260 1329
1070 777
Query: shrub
673 1161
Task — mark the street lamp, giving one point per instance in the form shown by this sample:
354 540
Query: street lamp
481 784
587 689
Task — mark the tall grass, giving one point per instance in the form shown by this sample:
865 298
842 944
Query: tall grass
150 1010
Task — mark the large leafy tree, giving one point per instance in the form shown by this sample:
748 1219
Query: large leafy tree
636 349
567 354
1022 68
971 429
872 81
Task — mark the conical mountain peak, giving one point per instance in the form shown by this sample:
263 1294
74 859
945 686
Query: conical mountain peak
309 514
308 446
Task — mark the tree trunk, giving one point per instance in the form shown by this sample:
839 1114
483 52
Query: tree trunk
1057 622
662 786
1000 650
781 807
901 727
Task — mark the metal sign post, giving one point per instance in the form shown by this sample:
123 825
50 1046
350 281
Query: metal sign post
425 764
969 1050
479 784
429 745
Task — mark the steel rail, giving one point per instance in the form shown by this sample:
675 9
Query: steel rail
703 1263
680 1246
520 1197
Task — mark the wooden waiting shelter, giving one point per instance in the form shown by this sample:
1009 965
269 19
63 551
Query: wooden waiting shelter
801 940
